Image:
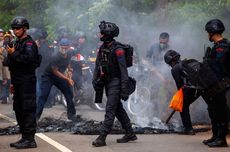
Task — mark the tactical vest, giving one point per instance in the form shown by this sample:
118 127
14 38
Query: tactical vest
108 60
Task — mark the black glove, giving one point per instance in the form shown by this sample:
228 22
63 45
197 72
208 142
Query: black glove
128 87
124 97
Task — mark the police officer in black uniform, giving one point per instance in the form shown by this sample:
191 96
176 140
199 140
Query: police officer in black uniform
111 72
218 60
22 60
172 58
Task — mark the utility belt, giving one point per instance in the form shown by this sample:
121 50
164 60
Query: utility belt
218 87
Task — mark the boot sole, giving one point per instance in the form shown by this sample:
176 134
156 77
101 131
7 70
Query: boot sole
206 143
26 147
98 145
132 139
217 146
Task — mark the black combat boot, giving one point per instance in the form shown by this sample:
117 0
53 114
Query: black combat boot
15 143
187 132
218 143
19 141
129 136
100 141
214 135
27 142
213 138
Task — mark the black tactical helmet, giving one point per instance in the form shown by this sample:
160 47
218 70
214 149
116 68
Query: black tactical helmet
170 56
215 26
19 21
43 33
109 29
34 33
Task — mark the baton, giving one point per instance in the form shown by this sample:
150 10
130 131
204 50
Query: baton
170 116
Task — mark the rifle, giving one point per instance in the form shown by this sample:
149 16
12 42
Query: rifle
207 53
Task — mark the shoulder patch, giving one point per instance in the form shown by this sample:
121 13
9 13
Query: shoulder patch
120 52
219 49
29 43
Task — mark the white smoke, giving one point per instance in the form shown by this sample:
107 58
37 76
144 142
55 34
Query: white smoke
143 30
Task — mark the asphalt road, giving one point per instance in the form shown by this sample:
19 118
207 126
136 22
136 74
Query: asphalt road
67 142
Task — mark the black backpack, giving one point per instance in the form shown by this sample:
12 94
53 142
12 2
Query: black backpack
200 75
128 52
191 69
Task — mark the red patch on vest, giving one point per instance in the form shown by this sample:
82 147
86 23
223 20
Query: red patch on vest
219 49
120 52
29 43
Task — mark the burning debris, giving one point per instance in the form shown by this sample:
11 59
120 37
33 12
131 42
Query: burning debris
92 127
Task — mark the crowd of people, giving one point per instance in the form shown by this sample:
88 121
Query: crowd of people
30 67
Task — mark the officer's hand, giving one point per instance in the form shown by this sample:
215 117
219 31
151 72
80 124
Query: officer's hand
124 97
70 81
10 50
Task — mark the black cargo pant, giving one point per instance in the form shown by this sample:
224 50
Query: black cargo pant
25 108
114 108
218 113
190 95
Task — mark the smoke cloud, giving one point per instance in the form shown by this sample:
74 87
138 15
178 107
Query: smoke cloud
142 30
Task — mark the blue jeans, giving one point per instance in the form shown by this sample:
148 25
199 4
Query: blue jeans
47 82
50 100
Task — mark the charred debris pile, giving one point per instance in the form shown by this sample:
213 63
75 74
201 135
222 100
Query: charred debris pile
90 127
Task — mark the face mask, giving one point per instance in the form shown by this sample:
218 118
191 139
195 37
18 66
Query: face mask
163 46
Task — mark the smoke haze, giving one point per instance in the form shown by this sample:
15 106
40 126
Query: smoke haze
142 30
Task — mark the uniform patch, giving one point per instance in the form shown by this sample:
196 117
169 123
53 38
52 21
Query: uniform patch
120 53
29 43
219 49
